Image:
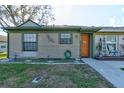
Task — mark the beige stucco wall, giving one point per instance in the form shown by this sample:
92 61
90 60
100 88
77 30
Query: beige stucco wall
48 45
54 49
15 44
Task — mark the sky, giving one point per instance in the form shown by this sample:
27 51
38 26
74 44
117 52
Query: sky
92 15
88 15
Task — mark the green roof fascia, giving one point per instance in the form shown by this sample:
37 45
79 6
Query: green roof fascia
90 29
9 29
54 29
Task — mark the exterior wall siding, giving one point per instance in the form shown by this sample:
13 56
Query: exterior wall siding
15 44
48 45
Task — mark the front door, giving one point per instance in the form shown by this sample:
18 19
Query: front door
85 39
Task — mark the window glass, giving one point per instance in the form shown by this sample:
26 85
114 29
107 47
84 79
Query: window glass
30 42
29 37
111 39
65 38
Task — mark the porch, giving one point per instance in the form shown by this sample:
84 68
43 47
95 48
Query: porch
109 46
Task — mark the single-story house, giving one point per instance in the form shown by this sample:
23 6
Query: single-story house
3 43
54 41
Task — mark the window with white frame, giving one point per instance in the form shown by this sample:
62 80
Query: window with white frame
65 38
30 42
111 39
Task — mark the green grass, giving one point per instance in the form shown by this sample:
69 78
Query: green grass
21 75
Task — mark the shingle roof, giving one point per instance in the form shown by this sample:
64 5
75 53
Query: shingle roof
35 26
112 29
26 26
29 23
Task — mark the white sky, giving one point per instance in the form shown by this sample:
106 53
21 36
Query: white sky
63 14
3 33
89 15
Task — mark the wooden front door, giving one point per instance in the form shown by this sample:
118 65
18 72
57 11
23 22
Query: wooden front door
85 41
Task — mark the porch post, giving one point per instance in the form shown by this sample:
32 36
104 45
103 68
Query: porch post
93 44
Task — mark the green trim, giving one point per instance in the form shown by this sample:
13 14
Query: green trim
89 35
91 42
90 48
50 31
89 45
43 29
94 45
52 28
81 45
8 45
109 33
37 42
46 31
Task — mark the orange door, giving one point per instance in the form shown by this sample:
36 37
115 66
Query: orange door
85 45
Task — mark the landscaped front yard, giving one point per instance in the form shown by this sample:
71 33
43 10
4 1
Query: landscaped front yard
66 75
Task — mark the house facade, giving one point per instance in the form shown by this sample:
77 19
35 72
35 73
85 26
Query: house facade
35 41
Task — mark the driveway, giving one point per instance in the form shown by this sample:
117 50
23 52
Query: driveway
109 70
115 64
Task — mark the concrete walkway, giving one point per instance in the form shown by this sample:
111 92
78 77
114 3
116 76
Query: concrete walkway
108 70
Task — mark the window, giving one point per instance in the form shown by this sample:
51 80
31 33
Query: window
3 46
65 38
111 39
30 42
109 44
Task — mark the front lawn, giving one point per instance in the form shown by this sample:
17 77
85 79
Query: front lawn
66 75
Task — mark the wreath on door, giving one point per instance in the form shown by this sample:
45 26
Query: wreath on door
67 54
